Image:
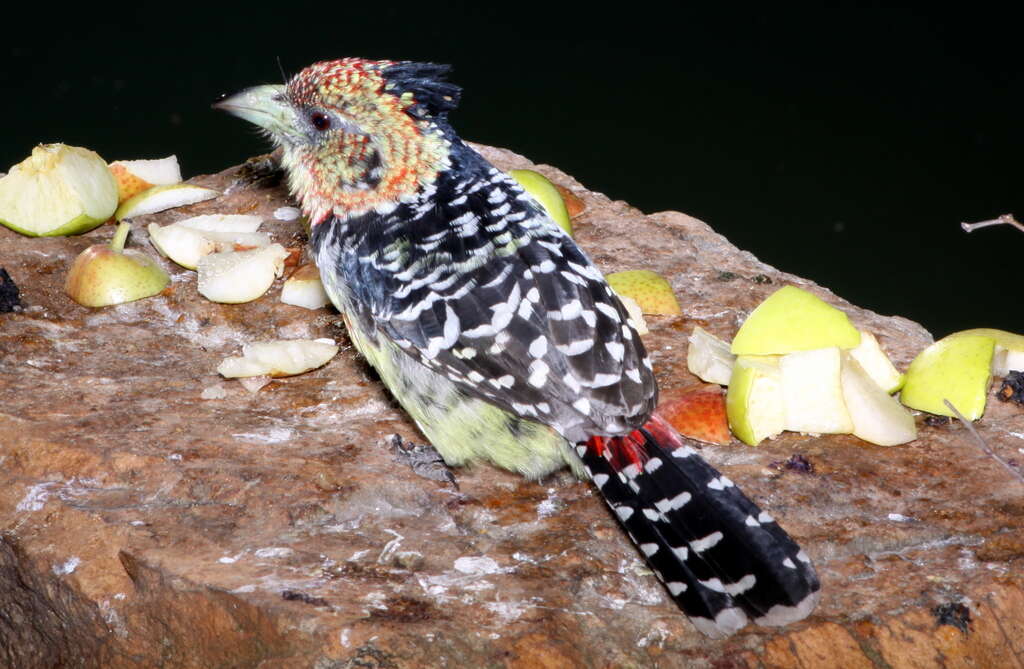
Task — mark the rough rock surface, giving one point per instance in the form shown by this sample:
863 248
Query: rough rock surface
143 525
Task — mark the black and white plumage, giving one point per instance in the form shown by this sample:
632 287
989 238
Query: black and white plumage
499 336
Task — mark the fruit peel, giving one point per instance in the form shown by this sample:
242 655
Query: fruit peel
698 414
790 320
651 291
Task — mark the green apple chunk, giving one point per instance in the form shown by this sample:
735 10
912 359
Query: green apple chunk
279 358
651 291
791 319
957 368
1009 351
58 190
304 289
542 190
753 402
708 357
876 363
877 417
240 276
103 275
159 198
812 393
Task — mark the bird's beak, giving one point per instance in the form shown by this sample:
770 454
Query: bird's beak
264 106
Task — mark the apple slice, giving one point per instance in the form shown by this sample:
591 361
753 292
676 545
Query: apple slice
754 400
58 190
304 289
1009 352
635 314
876 363
542 190
651 291
240 276
184 246
812 393
104 274
279 358
957 368
159 198
135 176
791 319
877 417
708 357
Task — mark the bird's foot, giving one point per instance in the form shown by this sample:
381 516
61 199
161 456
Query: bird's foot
423 460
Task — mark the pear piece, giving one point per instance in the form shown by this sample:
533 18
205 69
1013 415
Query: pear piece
240 276
651 290
222 222
877 417
58 190
957 368
542 190
184 246
135 176
102 275
812 393
635 314
279 358
304 289
708 357
791 319
753 402
876 363
159 198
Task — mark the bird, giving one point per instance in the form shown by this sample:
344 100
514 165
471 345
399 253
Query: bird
497 334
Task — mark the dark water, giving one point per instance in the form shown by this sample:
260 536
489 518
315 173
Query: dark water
844 145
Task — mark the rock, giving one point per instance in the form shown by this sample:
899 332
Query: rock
151 521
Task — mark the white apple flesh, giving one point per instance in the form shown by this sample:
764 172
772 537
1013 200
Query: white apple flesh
812 393
877 417
279 358
240 276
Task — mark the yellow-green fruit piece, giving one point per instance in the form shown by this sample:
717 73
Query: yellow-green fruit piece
957 368
542 190
753 403
58 190
791 319
1009 354
103 275
650 290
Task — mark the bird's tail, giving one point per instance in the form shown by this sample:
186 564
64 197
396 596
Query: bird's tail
723 559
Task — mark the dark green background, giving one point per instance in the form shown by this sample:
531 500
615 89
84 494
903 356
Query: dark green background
841 144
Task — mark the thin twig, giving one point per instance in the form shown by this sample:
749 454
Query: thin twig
981 442
1005 219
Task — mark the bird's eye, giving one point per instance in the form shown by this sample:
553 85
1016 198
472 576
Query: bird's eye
320 121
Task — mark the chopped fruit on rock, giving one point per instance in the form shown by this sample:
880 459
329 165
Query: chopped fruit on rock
877 417
58 190
135 176
651 291
812 393
1009 351
159 198
698 414
957 368
107 274
240 276
186 242
542 190
876 363
754 399
304 289
635 314
279 358
791 319
708 357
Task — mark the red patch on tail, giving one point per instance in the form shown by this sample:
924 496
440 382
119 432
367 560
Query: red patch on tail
631 449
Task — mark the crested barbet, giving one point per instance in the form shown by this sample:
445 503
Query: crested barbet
500 337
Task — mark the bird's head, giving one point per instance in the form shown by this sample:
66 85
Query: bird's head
357 135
